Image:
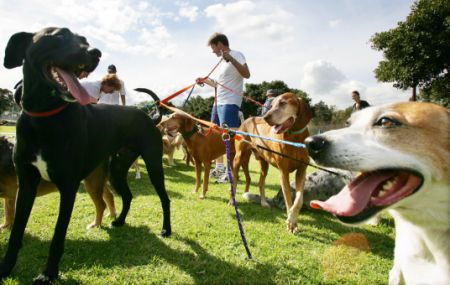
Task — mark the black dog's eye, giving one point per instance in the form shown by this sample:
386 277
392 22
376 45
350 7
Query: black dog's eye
386 122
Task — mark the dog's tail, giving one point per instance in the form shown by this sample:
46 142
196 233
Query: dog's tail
155 111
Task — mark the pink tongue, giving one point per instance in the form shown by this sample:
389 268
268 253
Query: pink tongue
353 198
75 88
281 128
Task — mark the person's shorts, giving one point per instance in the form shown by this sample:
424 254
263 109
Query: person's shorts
226 114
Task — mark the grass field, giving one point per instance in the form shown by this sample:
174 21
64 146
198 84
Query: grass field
205 247
7 130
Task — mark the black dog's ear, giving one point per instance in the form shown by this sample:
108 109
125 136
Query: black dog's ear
16 48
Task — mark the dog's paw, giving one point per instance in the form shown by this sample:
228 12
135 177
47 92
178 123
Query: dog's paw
265 204
5 226
117 223
112 216
93 225
292 224
202 196
5 269
165 232
43 279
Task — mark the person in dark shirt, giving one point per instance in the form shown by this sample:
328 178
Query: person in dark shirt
359 104
270 94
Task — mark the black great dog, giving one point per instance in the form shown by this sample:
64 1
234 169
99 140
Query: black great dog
61 140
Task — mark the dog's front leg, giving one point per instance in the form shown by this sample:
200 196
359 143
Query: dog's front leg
198 175
205 179
300 176
67 200
291 217
9 211
262 182
29 178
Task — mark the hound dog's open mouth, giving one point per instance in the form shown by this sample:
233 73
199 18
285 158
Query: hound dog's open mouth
370 193
67 83
281 128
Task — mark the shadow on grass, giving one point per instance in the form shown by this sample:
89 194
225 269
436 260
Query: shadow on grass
137 246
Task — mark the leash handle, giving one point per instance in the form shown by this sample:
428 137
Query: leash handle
233 194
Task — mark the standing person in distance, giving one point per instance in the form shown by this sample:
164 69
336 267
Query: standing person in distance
359 104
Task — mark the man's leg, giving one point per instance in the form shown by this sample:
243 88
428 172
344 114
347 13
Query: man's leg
229 115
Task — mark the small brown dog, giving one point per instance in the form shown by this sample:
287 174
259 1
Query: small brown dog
203 148
171 141
94 184
286 120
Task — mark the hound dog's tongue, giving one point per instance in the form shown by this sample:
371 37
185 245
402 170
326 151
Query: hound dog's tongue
378 188
278 129
75 88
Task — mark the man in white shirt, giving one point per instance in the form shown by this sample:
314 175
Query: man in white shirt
230 86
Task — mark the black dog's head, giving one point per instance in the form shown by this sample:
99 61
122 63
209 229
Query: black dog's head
52 60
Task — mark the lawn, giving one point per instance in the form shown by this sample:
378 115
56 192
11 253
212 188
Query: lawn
7 130
205 247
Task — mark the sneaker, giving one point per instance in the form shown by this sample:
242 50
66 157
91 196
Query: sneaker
138 175
223 178
217 172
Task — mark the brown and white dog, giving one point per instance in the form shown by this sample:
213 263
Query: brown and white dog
403 152
203 148
286 120
171 142
95 185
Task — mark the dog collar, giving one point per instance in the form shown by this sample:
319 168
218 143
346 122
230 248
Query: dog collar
298 131
189 134
47 113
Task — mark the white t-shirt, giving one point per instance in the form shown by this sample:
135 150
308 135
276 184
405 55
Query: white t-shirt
93 89
114 97
231 78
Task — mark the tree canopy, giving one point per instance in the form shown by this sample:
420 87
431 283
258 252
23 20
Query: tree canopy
417 52
6 100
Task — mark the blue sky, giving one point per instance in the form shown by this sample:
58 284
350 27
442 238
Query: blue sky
321 47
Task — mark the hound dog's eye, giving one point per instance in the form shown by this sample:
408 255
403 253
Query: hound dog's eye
347 123
386 122
282 103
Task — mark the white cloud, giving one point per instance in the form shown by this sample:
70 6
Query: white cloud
324 82
190 12
248 19
334 23
321 77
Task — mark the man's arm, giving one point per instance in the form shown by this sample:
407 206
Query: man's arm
241 68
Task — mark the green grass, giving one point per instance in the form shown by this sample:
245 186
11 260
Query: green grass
7 130
205 247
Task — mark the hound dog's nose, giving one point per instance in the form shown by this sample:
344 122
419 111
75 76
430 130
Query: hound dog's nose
315 145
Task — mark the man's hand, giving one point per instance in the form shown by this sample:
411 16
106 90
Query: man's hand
226 55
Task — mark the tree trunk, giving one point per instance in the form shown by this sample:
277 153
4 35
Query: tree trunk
413 96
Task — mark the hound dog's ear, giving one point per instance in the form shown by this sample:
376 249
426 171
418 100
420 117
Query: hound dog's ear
16 48
304 111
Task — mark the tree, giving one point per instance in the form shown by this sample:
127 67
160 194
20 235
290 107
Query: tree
322 113
417 51
258 92
6 100
341 116
199 107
